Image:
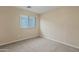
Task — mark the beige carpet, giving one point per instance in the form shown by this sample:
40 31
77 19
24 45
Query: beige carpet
37 45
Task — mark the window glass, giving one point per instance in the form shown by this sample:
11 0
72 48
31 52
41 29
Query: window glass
32 21
27 21
24 22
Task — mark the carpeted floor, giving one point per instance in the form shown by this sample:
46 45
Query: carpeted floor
37 45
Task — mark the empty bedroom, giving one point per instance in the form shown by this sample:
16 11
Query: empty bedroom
39 29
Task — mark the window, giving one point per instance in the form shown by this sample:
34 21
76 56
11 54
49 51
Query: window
27 21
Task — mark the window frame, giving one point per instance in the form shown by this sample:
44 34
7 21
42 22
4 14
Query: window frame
28 22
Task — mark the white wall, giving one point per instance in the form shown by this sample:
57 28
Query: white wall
10 30
61 25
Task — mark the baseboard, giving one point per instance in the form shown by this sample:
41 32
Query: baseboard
47 37
30 37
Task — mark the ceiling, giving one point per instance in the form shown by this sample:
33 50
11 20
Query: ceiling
39 9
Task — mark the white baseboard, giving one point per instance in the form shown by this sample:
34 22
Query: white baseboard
47 37
33 36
